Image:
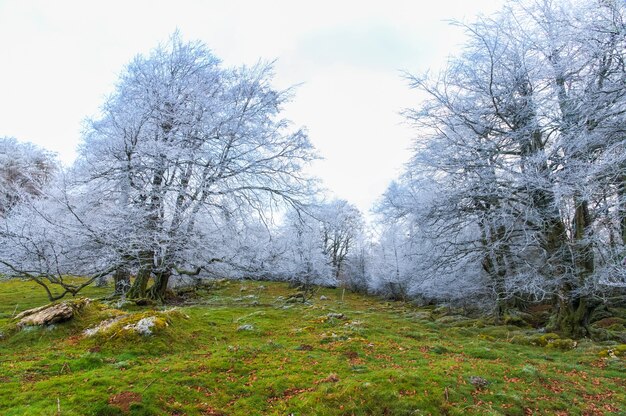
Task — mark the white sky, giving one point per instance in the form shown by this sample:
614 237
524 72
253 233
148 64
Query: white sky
59 59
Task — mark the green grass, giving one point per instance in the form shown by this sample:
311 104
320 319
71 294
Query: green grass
380 359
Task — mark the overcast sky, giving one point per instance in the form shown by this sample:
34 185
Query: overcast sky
59 59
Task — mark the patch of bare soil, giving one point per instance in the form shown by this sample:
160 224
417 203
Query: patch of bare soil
124 400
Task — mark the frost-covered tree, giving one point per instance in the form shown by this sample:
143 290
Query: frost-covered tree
521 142
25 169
356 272
342 224
183 150
184 144
300 251
316 245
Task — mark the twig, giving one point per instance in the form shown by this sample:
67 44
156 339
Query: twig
65 368
249 315
149 384
15 311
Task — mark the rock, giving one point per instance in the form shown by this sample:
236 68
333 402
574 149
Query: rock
478 382
246 327
562 344
145 326
323 297
336 315
297 297
123 325
615 351
103 326
545 339
49 314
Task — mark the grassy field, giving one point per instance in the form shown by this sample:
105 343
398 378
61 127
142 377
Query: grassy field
242 349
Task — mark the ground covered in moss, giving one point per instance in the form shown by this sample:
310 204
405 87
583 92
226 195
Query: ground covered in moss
244 348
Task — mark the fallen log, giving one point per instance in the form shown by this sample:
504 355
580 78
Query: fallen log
50 314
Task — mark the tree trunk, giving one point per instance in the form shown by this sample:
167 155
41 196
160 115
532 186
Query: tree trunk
502 300
121 279
138 289
574 310
583 248
157 290
621 212
572 318
494 264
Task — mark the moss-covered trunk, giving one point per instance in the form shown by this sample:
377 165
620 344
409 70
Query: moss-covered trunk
572 318
157 290
138 289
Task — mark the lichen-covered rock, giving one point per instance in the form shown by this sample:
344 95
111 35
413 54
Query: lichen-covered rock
129 324
615 351
545 339
562 344
522 340
102 327
548 340
50 314
144 325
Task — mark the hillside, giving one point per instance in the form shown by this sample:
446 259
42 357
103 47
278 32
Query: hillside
243 348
